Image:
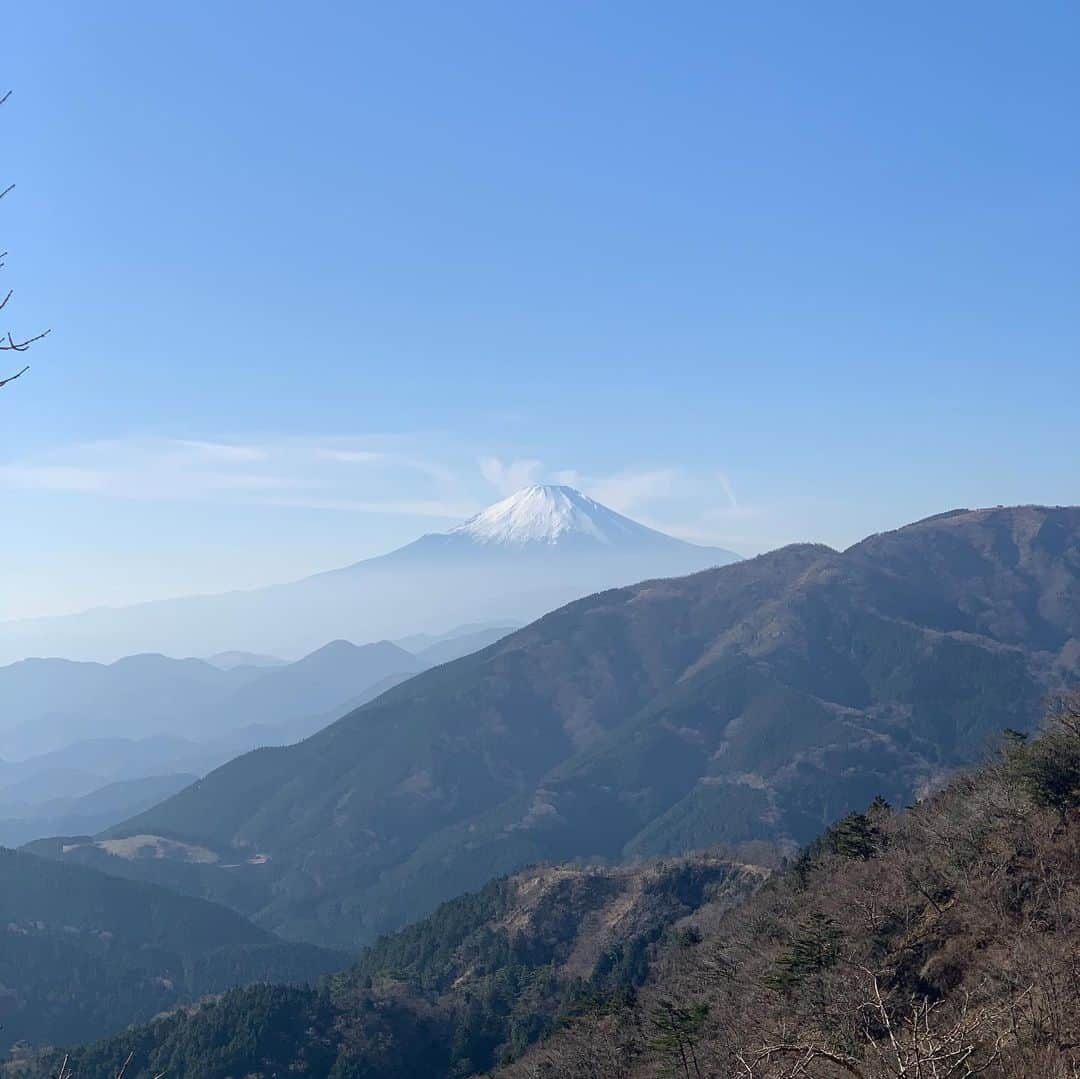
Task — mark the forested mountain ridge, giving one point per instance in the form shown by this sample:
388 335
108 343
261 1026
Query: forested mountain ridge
759 700
83 954
477 982
939 942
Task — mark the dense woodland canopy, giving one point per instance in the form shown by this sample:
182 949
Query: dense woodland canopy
84 954
476 983
940 941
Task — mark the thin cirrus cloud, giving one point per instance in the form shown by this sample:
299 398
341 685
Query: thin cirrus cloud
314 473
406 476
698 507
510 476
631 490
154 469
623 491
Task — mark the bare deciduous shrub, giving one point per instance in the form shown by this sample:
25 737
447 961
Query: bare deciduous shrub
939 943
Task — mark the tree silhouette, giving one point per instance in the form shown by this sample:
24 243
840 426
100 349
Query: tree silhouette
8 341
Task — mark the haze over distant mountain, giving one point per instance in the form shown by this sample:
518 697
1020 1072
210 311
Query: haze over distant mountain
94 744
763 699
47 704
521 557
84 722
21 822
228 661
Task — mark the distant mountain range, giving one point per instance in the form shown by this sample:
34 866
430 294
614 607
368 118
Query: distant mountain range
511 563
763 699
230 660
98 743
50 704
21 822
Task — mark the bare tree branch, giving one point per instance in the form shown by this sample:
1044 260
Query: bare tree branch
11 345
8 342
11 378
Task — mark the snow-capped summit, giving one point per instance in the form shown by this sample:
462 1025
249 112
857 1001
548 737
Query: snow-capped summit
544 514
554 526
514 561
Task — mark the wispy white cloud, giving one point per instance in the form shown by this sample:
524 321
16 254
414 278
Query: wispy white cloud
349 457
220 451
628 491
436 508
342 473
623 491
392 475
725 484
44 477
696 506
510 476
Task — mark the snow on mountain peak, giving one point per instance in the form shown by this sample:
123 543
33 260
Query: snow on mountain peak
544 514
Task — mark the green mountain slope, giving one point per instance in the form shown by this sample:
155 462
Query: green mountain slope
84 954
938 942
92 812
477 982
760 700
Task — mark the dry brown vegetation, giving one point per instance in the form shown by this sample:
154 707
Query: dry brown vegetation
939 942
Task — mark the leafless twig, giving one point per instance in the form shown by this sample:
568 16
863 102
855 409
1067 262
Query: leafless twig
11 345
11 378
8 342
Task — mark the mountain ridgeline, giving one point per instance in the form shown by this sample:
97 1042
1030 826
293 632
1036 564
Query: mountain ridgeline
107 741
517 559
480 980
83 954
52 703
938 941
760 700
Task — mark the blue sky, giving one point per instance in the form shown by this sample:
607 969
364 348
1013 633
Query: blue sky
323 277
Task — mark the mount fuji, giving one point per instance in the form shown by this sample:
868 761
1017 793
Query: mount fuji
554 515
556 524
514 561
